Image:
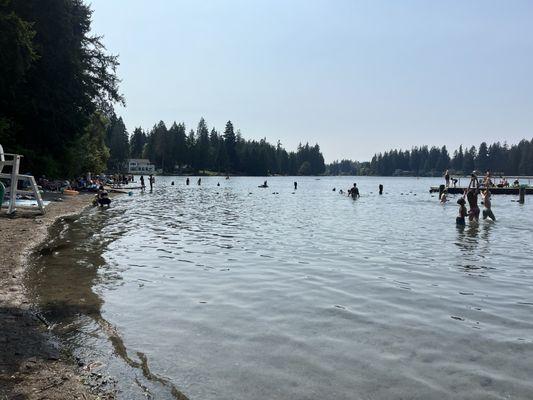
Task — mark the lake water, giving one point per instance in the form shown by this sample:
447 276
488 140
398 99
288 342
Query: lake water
239 292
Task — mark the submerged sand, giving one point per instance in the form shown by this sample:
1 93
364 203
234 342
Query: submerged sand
32 363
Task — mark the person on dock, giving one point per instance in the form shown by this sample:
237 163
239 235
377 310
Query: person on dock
447 178
187 181
460 220
151 180
143 186
473 212
487 211
354 192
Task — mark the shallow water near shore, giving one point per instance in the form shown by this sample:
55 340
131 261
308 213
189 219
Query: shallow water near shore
239 292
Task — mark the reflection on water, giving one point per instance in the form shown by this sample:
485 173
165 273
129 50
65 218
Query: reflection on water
237 292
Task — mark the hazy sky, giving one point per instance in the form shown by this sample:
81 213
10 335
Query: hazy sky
358 77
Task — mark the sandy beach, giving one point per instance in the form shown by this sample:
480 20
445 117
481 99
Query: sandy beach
32 363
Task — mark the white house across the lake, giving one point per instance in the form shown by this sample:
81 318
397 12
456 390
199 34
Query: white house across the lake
140 166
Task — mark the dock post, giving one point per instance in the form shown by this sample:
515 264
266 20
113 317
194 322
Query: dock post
522 194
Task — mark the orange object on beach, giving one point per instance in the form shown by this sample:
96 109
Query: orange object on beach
69 192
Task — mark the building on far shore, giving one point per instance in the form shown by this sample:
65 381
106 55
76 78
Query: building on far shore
140 166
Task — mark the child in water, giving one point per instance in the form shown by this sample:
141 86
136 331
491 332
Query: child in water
487 211
460 220
473 213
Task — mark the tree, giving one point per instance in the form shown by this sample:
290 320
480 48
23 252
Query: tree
118 144
230 146
137 143
90 154
61 75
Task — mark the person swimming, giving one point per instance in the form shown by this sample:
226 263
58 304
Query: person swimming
444 197
487 211
264 185
460 220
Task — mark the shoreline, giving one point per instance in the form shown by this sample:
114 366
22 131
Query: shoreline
32 364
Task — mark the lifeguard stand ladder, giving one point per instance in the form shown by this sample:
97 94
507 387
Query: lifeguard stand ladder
13 160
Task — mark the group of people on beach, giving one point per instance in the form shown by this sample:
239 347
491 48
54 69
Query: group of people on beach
471 195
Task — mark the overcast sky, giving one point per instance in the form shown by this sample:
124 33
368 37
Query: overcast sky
358 77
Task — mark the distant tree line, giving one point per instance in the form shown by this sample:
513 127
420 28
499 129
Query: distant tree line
516 159
57 87
176 150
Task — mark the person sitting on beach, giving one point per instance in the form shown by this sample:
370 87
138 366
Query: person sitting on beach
471 197
102 198
354 192
487 211
460 220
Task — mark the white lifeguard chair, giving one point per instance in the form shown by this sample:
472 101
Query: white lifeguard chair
13 160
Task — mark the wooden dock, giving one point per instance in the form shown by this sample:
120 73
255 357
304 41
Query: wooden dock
493 190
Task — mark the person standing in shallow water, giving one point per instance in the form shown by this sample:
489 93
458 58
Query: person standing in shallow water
295 185
473 212
151 180
187 181
142 183
460 220
380 188
487 211
199 181
354 192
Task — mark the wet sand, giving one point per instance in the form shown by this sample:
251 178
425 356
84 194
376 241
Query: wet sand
33 364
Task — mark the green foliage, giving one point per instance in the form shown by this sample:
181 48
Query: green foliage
90 153
54 76
424 161
117 140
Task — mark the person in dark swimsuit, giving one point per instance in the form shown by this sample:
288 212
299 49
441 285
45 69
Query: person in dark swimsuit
471 197
460 220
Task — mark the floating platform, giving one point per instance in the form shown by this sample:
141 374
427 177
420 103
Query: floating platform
493 190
